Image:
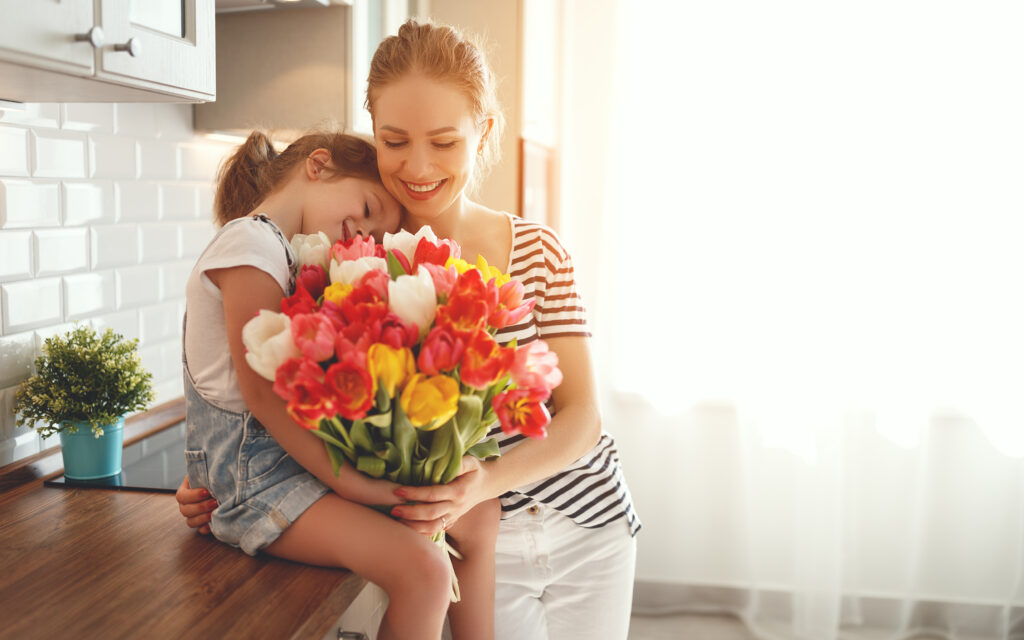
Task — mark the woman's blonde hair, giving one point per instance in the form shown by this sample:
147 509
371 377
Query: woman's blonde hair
443 53
255 169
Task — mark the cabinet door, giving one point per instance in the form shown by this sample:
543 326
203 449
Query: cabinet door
165 46
42 34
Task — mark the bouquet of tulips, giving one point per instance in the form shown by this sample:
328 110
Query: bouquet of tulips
387 353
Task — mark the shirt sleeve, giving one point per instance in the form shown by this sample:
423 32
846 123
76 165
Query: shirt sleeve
246 243
559 311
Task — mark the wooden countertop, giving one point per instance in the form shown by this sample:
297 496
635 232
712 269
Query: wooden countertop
100 563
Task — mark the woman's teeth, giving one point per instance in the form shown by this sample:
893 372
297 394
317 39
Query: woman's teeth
423 188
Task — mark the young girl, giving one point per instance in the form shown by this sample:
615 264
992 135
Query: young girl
271 478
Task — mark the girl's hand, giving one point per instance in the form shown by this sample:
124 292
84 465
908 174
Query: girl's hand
448 501
196 505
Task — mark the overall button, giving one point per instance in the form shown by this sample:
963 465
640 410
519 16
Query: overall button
533 509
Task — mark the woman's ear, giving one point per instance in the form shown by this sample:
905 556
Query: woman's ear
316 163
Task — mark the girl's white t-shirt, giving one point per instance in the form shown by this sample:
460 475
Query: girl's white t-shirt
253 241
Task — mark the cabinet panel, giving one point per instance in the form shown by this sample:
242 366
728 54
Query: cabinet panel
42 34
142 49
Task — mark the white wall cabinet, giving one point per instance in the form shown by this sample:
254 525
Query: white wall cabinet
107 51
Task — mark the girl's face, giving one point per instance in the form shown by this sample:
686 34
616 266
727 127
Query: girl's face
427 143
343 207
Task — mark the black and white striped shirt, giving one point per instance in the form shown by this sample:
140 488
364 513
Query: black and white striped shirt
591 491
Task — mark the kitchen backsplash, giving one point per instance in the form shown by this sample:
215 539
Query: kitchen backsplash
103 210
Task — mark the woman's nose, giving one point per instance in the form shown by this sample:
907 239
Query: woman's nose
419 163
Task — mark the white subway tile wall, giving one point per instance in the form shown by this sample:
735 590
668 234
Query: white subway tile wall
103 210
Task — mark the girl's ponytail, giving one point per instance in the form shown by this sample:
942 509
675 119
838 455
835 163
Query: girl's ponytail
240 183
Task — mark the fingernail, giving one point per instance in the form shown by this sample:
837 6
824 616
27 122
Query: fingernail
396 512
204 493
400 493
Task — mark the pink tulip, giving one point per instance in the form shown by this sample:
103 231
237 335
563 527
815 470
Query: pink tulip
314 335
536 366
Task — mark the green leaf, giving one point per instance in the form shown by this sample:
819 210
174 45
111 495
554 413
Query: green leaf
455 462
468 416
371 465
361 437
379 419
395 267
485 450
383 400
404 437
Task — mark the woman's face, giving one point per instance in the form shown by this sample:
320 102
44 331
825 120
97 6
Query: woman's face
343 207
427 142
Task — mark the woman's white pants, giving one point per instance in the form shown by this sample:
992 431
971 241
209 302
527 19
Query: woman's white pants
559 581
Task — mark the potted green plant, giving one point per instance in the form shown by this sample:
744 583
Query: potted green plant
85 383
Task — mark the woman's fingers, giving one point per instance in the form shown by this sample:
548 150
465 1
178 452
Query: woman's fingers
423 511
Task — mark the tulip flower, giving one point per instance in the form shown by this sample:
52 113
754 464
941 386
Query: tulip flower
441 351
350 271
413 299
535 365
311 249
354 248
510 308
268 342
437 253
336 292
299 302
523 411
390 367
314 335
313 278
444 278
491 273
430 401
407 242
350 381
310 400
484 361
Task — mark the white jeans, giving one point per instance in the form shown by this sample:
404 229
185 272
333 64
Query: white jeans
559 581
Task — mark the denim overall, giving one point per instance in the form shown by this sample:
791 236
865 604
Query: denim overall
261 490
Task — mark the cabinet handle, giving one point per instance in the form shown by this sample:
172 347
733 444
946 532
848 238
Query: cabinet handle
93 36
133 47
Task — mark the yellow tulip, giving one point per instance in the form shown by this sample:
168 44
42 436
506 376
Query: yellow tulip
337 292
431 401
390 367
460 265
489 272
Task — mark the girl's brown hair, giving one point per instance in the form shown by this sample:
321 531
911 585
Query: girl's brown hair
443 53
255 169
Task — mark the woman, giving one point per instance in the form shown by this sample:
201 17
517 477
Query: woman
565 552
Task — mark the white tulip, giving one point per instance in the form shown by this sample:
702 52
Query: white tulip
407 242
268 342
311 249
413 299
349 271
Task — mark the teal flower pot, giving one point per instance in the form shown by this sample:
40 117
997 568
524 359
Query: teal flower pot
87 457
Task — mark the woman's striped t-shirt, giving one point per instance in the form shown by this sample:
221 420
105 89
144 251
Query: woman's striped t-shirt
591 491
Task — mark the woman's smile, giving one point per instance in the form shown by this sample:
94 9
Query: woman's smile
423 190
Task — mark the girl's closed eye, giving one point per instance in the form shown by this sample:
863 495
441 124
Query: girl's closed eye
366 211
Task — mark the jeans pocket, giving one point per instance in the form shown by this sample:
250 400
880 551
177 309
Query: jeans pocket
198 472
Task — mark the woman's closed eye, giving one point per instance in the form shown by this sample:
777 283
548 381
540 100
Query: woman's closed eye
446 145
395 144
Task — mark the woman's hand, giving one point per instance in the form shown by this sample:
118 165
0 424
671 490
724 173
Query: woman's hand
440 506
196 505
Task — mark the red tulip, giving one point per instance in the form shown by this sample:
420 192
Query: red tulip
523 411
484 361
313 278
441 351
352 385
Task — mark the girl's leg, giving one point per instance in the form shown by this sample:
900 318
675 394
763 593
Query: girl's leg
473 535
337 533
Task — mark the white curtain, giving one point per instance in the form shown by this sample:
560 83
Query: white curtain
799 228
